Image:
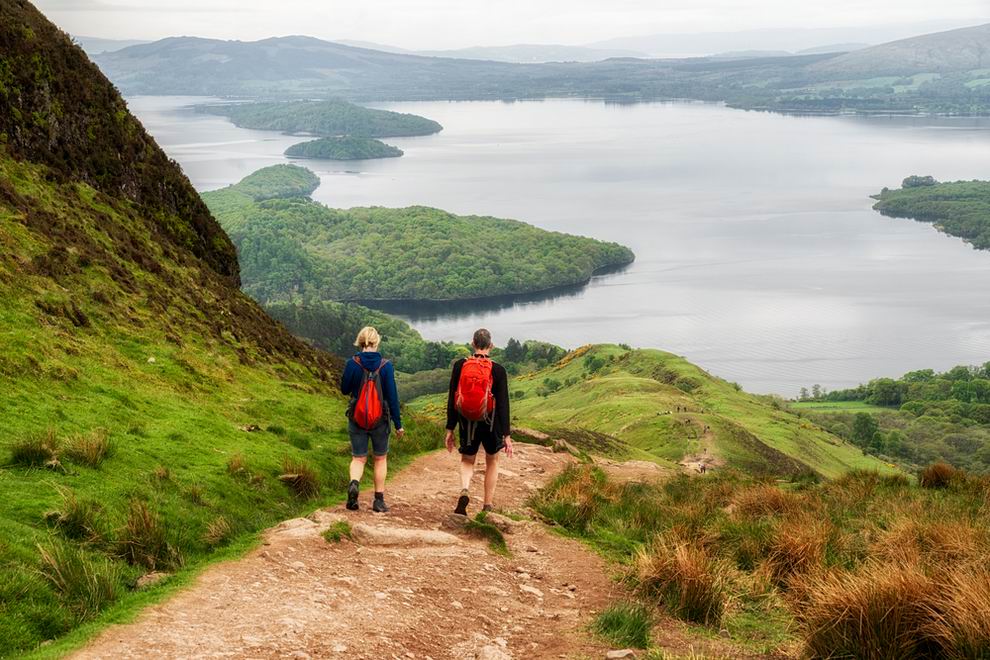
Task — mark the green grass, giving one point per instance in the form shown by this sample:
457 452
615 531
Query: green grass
624 625
143 407
651 405
337 532
479 527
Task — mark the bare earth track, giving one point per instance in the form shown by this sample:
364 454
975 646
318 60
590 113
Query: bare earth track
404 588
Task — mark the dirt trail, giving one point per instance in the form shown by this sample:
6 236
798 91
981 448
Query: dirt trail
299 596
431 594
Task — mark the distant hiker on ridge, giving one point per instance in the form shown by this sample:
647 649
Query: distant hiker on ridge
478 403
370 382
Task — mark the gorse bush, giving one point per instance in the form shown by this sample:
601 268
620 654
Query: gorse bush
864 566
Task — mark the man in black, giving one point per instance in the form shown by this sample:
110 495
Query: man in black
494 436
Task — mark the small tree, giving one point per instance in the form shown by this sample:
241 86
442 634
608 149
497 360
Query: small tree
864 429
804 394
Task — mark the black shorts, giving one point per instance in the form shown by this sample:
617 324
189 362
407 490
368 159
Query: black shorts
482 437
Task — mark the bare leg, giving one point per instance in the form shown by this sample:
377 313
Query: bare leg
381 469
467 470
491 477
357 467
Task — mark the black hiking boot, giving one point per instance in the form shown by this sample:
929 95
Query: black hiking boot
379 506
462 503
352 496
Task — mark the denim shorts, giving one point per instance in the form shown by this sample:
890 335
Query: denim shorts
361 438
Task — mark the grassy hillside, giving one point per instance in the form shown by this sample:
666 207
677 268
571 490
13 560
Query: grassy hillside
959 208
153 416
325 118
299 250
343 148
654 405
960 50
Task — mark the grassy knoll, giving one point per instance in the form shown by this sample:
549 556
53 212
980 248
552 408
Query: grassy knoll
866 565
654 405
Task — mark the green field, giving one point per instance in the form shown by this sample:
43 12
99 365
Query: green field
841 406
648 404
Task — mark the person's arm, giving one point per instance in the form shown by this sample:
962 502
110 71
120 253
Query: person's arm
391 394
501 386
347 378
455 376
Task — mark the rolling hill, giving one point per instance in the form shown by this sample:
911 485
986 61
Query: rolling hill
954 51
303 67
654 406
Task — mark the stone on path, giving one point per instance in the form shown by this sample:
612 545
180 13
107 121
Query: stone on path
371 535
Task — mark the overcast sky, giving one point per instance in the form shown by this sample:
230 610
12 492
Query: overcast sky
423 24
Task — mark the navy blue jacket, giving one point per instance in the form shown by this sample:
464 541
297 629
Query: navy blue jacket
350 382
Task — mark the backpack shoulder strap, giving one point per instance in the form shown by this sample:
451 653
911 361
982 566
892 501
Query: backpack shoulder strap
381 366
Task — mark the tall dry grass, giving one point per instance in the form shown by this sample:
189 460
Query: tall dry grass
868 565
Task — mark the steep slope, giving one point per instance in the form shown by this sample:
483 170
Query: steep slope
647 404
954 51
152 413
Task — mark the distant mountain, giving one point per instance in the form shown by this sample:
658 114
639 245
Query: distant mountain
790 39
834 48
535 53
750 54
97 45
307 68
954 51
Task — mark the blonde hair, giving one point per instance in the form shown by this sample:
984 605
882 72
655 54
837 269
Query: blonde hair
368 338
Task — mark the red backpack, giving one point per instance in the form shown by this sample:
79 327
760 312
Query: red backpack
474 399
369 409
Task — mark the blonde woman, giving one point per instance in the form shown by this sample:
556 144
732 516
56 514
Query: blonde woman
370 382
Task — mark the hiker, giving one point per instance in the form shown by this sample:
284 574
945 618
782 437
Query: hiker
370 382
478 403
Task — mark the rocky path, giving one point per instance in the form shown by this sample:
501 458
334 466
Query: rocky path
403 588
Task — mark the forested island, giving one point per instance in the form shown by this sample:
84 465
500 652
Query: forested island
343 148
959 208
294 249
324 118
921 417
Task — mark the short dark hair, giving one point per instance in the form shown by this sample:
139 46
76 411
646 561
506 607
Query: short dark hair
482 339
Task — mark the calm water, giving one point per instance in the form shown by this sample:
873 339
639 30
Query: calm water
758 256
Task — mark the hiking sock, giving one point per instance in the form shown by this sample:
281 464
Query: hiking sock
462 503
352 495
379 506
